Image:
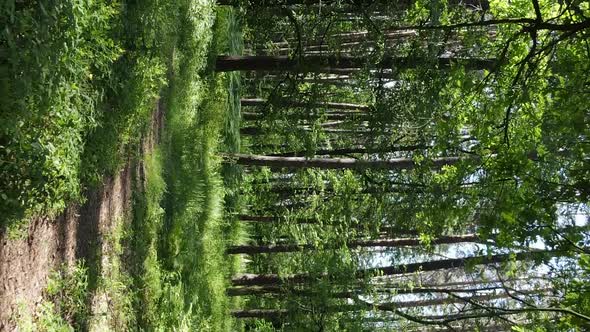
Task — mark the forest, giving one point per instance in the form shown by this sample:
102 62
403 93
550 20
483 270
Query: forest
295 165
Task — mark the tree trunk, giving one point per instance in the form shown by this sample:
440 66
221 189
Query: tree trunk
253 130
361 150
329 105
400 4
260 290
332 116
389 243
336 163
267 219
385 230
270 3
329 63
266 314
274 279
469 286
390 306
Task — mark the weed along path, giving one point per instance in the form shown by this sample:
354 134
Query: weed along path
82 233
144 126
25 264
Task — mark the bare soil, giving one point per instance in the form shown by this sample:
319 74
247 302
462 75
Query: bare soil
78 233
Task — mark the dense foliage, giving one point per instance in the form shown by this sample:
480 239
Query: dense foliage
55 66
459 129
84 83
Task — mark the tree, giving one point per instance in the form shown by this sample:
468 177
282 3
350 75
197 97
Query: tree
273 279
389 243
336 163
483 4
333 64
515 130
257 102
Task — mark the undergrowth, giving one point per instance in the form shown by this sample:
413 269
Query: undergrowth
181 269
64 305
229 40
79 81
111 301
56 58
147 221
63 130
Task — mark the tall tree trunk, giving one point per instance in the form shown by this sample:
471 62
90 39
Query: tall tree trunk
331 63
332 116
389 243
356 37
254 130
385 231
469 286
390 306
266 314
336 163
260 290
361 150
400 4
271 3
286 102
274 279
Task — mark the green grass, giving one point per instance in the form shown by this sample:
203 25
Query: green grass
111 298
165 268
229 41
194 242
182 271
147 220
64 307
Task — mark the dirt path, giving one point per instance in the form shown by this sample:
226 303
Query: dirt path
78 233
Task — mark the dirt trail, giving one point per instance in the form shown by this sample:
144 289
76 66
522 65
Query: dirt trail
78 233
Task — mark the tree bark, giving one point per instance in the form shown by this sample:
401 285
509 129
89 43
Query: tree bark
332 116
390 306
274 279
385 230
400 4
336 163
254 130
260 290
286 102
361 150
266 314
389 243
329 63
470 286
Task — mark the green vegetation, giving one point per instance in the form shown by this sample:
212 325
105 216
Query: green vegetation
81 80
164 266
110 297
64 308
55 67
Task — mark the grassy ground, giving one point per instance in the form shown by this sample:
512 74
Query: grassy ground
228 35
165 268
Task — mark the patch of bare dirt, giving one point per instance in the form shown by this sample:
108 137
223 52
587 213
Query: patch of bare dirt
78 233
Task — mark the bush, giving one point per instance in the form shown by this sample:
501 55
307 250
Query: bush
55 57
